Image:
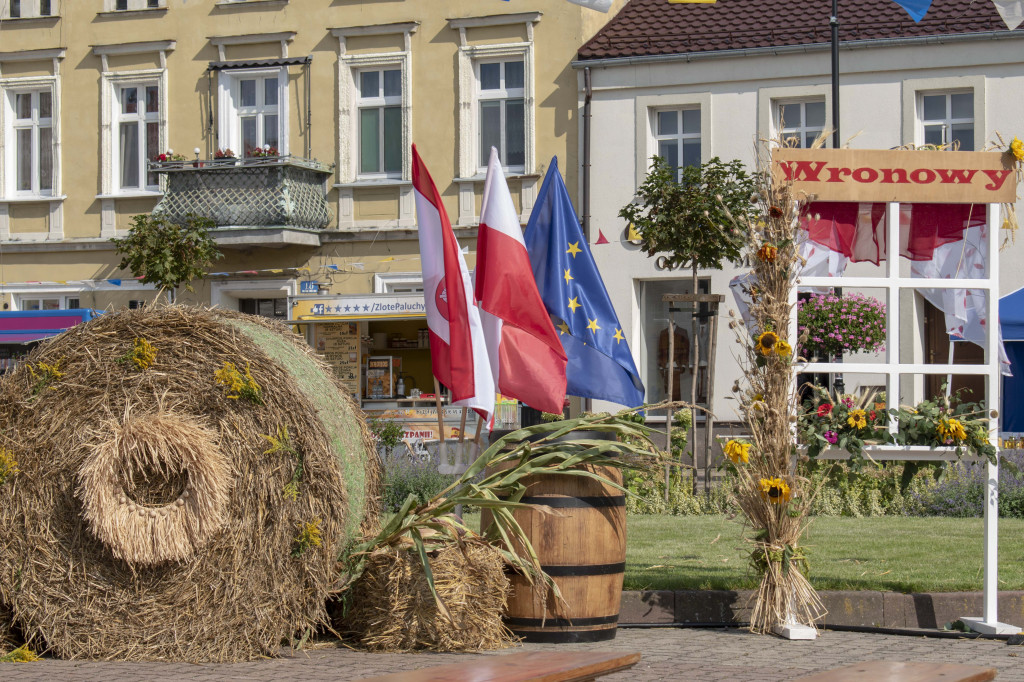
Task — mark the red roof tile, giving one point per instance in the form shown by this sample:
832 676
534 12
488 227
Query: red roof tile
656 27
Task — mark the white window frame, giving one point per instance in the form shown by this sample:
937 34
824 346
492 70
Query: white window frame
30 9
12 125
646 140
769 99
111 84
947 121
501 94
229 94
798 129
133 5
386 283
679 137
21 300
141 119
912 126
379 102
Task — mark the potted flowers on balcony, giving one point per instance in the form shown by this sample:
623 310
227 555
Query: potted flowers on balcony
170 159
224 157
264 152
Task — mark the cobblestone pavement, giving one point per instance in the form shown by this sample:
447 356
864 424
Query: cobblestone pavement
668 654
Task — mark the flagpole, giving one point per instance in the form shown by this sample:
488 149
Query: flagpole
834 23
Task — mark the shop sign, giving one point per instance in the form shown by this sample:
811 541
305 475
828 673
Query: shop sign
363 306
878 175
309 287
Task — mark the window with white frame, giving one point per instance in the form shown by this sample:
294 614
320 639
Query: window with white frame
30 141
380 122
501 107
802 120
23 9
254 111
133 5
138 135
677 136
47 302
947 118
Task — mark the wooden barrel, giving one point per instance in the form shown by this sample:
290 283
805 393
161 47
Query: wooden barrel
582 547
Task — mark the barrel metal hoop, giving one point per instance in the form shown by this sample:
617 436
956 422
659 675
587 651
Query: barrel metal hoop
592 569
560 622
598 501
565 636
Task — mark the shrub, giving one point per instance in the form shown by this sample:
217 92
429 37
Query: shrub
961 492
403 477
649 486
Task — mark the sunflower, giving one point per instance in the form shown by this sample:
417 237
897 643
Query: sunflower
783 349
857 419
737 451
1017 148
775 490
951 429
766 342
768 253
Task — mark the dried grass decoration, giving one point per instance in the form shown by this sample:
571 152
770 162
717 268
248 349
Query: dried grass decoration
769 490
147 518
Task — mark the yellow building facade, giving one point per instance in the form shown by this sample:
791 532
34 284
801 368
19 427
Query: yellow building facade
295 120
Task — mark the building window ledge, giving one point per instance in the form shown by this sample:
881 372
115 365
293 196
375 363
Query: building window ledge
131 12
37 199
376 182
261 4
142 194
480 177
24 20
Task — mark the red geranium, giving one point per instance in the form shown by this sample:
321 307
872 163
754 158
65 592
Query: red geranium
872 415
825 409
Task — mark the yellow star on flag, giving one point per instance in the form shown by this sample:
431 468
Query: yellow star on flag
574 248
593 325
618 336
573 303
568 276
564 328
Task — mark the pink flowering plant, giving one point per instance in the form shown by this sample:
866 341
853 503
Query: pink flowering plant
830 325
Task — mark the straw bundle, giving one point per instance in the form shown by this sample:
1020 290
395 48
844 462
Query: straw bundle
393 608
152 516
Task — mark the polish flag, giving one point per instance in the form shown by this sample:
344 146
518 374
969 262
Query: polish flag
527 358
457 348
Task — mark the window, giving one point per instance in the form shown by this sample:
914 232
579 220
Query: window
380 122
138 135
276 308
947 118
255 116
801 120
133 5
48 302
23 9
501 106
677 134
30 138
655 354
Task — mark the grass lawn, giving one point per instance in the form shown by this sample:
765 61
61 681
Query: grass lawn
901 554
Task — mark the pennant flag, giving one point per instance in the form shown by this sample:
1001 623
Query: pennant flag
601 239
915 8
115 282
457 347
600 364
526 356
1012 12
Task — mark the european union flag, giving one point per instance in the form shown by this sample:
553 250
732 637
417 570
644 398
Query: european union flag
600 364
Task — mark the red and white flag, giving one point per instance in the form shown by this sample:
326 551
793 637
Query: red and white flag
527 358
457 348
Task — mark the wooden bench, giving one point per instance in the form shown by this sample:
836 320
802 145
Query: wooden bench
526 666
903 671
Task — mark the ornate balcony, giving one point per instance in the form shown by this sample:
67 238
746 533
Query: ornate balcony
281 199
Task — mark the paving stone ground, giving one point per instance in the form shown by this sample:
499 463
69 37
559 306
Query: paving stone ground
716 655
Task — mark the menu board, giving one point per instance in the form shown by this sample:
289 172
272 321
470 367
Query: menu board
338 343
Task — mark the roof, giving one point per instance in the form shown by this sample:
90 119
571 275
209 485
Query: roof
656 27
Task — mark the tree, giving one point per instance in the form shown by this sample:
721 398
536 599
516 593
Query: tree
167 254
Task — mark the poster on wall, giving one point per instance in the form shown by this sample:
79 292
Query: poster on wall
379 378
338 344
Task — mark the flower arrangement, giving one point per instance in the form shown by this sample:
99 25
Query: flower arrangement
773 497
224 154
169 155
834 325
264 152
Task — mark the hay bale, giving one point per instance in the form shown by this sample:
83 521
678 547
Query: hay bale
153 517
392 608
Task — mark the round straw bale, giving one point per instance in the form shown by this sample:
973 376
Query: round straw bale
152 515
393 609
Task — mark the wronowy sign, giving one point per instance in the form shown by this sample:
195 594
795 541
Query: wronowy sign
931 177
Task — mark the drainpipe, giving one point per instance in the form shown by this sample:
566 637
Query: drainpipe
588 93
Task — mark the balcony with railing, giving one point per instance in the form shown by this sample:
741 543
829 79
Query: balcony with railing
271 200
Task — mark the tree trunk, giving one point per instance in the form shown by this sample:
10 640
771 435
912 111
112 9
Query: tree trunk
694 376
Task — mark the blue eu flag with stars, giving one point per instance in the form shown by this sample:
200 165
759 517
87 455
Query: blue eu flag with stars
600 365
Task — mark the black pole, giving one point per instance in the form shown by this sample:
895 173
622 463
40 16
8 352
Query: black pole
588 94
834 23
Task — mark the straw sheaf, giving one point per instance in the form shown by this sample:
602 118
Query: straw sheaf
236 594
173 448
393 608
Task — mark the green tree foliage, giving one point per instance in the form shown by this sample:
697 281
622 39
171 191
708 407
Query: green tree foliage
166 254
689 219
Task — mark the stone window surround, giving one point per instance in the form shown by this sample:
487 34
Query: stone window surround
110 82
348 157
768 100
56 199
468 134
912 129
225 293
647 105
